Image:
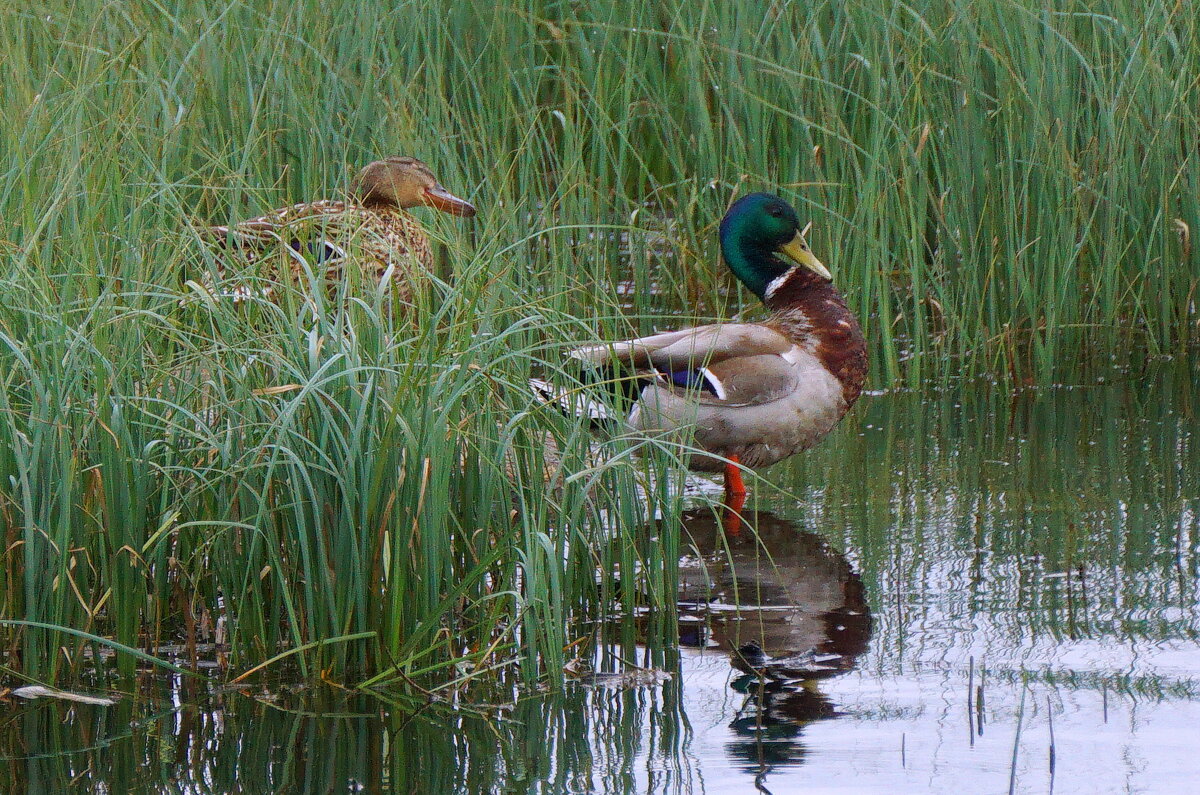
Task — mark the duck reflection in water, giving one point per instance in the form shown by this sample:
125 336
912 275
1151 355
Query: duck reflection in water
789 610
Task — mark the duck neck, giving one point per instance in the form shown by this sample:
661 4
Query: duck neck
799 286
755 265
373 194
376 203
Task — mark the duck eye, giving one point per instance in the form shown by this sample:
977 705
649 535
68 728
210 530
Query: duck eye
775 210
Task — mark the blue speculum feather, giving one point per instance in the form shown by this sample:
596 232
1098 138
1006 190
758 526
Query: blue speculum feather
319 251
692 379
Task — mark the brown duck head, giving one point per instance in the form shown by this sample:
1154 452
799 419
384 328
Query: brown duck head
405 182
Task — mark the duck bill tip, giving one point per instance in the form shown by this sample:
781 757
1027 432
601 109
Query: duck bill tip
441 199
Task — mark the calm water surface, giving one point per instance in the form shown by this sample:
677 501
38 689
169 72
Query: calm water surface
967 590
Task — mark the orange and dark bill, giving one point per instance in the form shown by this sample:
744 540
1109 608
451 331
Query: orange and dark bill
439 198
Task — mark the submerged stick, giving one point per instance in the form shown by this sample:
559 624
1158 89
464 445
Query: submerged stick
1012 771
1050 717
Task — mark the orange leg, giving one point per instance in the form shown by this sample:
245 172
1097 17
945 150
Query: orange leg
735 497
734 485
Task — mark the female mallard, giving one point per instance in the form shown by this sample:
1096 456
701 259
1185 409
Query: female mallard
372 224
753 393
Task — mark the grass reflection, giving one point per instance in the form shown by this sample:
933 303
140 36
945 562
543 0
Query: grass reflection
1023 528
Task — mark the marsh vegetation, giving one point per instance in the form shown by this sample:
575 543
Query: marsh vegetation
1006 194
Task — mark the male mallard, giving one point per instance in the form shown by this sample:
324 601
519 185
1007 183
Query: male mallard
372 224
754 393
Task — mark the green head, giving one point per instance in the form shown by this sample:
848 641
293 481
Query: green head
761 240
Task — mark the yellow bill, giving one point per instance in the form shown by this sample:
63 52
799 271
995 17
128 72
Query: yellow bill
797 250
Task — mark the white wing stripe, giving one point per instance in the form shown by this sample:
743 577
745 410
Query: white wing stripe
715 382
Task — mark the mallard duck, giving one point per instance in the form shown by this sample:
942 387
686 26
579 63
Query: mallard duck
372 224
753 393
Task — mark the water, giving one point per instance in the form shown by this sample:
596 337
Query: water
963 583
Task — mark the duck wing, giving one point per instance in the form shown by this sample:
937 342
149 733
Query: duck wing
732 364
317 229
313 232
689 349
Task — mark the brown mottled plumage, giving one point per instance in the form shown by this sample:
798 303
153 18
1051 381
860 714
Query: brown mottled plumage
371 231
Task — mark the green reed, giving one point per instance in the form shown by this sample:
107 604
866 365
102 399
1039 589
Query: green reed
1001 189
